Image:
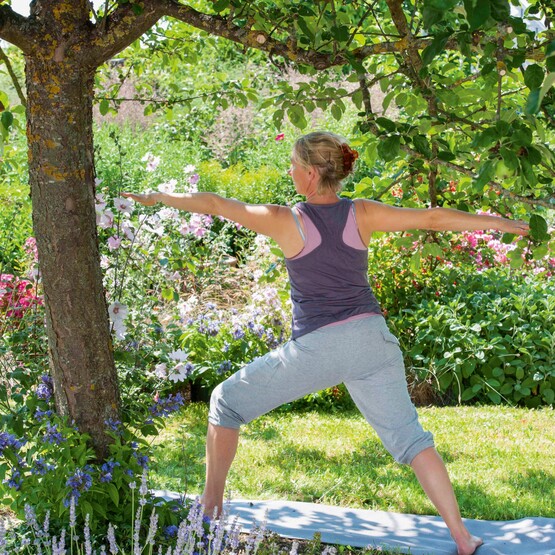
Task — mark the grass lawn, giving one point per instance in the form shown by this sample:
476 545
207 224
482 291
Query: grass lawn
500 460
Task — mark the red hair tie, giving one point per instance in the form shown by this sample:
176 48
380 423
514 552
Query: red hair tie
349 157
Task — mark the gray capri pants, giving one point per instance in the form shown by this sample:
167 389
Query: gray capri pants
363 354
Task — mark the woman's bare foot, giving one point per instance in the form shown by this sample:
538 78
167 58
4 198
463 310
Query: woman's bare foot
468 544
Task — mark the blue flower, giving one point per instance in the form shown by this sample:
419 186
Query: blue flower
224 367
238 333
106 471
41 467
45 390
15 481
167 405
79 482
9 440
142 460
114 425
52 435
40 415
171 531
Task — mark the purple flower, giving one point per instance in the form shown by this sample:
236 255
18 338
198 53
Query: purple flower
171 531
9 440
142 460
224 367
106 471
44 390
52 435
79 482
41 467
113 425
40 415
238 333
15 481
167 405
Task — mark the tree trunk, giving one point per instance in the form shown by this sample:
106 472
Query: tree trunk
61 169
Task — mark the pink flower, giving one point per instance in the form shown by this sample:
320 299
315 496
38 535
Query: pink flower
123 205
152 162
280 137
114 242
194 179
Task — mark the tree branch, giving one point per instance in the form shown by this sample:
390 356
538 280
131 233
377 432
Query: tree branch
119 29
16 29
13 76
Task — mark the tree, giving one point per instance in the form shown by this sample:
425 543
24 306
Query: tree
472 83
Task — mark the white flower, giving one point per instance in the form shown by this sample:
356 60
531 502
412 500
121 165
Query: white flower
100 202
189 168
124 205
168 187
105 219
118 313
152 162
180 373
161 370
179 355
128 231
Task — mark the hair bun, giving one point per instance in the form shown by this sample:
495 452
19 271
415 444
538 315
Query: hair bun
349 157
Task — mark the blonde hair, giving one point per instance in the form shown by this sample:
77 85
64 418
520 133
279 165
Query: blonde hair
329 154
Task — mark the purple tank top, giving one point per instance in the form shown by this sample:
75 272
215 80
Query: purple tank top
330 282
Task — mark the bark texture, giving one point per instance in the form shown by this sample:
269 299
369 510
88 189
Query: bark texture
61 169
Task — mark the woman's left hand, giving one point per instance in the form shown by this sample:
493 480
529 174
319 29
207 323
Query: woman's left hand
517 227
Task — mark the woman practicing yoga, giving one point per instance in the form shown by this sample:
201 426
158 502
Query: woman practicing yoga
338 332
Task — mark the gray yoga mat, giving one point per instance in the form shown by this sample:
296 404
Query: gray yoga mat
409 534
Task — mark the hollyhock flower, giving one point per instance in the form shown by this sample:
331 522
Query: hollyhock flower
181 372
128 231
189 168
123 205
152 162
194 179
168 187
161 371
114 242
118 313
180 355
280 137
100 202
105 219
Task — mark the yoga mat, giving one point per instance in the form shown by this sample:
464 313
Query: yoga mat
409 534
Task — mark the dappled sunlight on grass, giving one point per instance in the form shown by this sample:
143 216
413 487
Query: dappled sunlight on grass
500 460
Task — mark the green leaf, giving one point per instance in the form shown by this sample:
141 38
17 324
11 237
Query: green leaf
6 119
220 5
468 394
477 12
386 124
113 493
484 176
436 47
167 294
533 76
549 396
336 112
340 33
500 10
538 228
422 145
388 149
414 263
539 252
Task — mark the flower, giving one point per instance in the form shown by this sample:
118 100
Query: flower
167 405
9 440
44 390
179 355
161 370
106 471
52 435
168 187
41 467
114 242
181 372
105 219
189 168
194 179
118 312
280 136
79 482
152 162
123 205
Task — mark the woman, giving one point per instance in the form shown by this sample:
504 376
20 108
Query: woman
338 331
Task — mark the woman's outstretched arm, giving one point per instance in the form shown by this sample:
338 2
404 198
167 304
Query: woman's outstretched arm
376 216
268 219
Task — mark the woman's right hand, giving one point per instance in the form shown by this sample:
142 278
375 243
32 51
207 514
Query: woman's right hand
147 199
